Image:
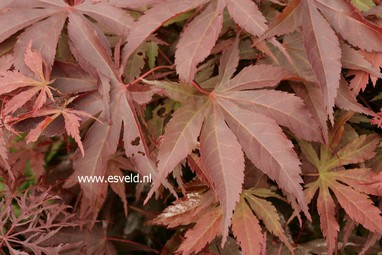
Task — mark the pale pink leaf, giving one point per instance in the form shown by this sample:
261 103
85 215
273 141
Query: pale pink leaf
197 41
89 49
286 22
19 18
346 99
223 159
45 43
247 15
153 19
257 76
179 139
229 61
323 51
286 109
353 59
344 17
267 147
115 19
12 80
6 61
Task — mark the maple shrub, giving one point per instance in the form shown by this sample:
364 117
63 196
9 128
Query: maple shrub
259 122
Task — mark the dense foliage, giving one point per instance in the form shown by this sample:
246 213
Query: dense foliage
259 122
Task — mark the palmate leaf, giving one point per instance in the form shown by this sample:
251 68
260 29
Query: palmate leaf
252 127
350 187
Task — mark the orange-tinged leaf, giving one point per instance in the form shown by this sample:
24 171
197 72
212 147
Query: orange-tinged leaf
197 41
323 51
359 207
205 230
267 213
222 156
361 179
328 221
246 228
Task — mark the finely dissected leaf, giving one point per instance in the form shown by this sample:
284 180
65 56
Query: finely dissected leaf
266 146
45 43
39 87
222 156
246 228
153 19
246 14
196 41
323 51
88 48
328 222
179 140
267 213
344 17
115 19
205 230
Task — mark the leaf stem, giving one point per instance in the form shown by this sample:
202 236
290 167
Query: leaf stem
147 73
197 86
